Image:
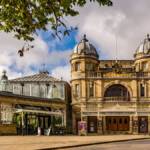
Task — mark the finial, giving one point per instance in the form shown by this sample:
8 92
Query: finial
4 76
4 72
84 38
43 70
148 36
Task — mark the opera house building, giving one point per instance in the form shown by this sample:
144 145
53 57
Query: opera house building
110 96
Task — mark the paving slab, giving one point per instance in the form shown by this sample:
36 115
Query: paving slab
57 142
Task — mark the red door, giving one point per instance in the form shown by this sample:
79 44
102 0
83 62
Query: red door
117 123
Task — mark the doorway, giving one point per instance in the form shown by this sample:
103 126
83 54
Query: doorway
143 124
92 124
117 123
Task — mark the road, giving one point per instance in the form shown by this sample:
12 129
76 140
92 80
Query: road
130 145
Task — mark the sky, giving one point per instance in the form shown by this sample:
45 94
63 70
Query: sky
116 32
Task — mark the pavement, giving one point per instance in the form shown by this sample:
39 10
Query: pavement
128 145
61 142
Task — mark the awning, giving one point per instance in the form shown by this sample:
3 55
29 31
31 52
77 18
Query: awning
51 113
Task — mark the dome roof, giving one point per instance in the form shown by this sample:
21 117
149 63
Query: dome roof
144 47
84 47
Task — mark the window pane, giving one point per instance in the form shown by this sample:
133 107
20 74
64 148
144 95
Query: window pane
142 90
77 66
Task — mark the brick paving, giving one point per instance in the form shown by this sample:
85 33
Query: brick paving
41 142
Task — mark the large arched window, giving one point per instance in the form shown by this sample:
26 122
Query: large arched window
117 92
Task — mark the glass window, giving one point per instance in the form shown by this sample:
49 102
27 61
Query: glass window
91 89
26 89
77 90
109 121
145 66
120 120
114 121
142 90
77 66
42 91
89 67
125 121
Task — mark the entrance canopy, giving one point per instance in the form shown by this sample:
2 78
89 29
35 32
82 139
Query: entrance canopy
51 113
37 110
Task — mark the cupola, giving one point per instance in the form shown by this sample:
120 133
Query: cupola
84 47
143 49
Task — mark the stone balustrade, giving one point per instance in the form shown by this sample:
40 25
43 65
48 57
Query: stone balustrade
118 75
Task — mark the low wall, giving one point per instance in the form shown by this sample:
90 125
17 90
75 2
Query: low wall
8 129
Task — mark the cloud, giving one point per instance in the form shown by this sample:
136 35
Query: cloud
33 59
127 22
62 72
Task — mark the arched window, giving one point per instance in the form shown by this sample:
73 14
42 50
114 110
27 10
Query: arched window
117 92
142 90
77 66
91 89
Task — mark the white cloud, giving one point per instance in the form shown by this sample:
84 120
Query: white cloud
127 20
62 72
33 59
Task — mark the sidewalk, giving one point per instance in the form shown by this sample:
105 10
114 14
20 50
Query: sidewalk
53 142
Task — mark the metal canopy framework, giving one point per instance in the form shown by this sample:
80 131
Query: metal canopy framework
51 113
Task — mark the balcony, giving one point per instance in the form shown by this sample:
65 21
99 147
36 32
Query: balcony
110 75
116 99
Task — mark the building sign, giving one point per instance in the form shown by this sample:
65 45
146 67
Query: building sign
82 127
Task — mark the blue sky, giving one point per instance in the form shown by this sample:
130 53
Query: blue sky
127 22
67 42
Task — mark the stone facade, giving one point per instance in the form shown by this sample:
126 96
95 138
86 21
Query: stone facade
113 95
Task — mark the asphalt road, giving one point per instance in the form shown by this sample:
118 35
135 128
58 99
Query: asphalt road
130 145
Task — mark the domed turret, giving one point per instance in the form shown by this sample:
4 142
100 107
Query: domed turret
85 48
4 76
3 81
143 49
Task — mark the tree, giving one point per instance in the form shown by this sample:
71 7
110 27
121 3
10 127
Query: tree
26 17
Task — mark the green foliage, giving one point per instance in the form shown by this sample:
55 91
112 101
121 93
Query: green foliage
25 17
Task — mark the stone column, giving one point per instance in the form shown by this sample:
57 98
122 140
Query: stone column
135 125
75 128
64 117
85 119
100 125
104 125
148 124
131 124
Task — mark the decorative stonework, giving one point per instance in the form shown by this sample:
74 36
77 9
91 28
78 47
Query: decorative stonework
128 82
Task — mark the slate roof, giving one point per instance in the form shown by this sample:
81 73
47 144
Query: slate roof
40 77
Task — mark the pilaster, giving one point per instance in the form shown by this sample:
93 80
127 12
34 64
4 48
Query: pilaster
135 125
100 125
148 124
